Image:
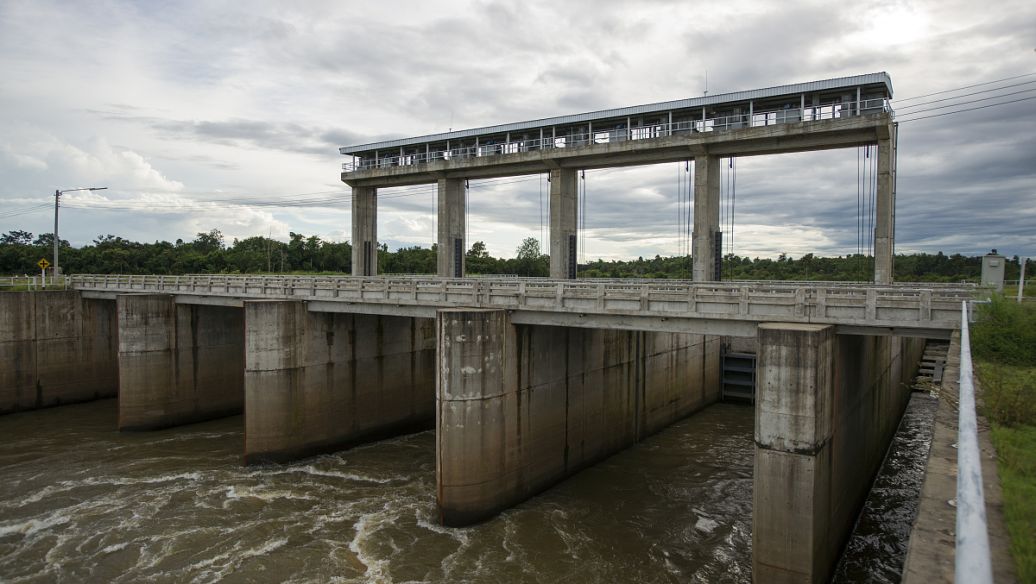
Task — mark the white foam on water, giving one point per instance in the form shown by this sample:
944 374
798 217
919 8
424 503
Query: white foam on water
705 525
32 525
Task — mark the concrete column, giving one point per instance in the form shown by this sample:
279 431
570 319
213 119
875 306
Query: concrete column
451 227
178 363
365 231
706 217
521 407
319 382
477 432
55 348
564 217
791 495
884 220
827 407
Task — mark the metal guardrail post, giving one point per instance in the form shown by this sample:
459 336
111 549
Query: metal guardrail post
972 551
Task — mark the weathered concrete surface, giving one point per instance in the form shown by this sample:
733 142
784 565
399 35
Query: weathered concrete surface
178 363
930 556
706 218
885 209
317 382
55 348
564 219
365 231
522 407
827 406
451 221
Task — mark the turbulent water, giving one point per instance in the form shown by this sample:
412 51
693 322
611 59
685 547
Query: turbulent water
82 502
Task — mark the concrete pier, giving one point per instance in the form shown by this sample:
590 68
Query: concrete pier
318 382
451 244
885 209
178 363
706 218
520 408
564 218
827 406
55 348
365 231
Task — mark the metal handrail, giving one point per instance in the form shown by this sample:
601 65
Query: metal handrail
622 133
972 552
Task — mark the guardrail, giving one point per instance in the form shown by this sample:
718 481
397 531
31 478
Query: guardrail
33 283
894 306
623 133
972 541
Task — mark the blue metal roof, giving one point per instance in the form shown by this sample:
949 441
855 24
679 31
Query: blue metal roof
869 79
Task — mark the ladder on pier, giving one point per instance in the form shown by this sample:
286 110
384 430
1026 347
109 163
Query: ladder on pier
738 377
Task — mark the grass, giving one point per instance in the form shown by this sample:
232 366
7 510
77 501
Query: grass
1016 449
1004 345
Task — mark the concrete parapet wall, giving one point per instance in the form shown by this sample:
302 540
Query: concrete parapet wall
827 407
318 382
55 348
178 363
522 407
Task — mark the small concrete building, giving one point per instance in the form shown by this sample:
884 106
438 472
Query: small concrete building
993 270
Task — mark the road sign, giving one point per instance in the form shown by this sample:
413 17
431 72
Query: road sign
43 263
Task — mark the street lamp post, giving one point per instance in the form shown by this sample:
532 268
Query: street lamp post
57 240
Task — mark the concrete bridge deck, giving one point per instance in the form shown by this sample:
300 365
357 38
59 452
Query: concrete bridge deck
720 308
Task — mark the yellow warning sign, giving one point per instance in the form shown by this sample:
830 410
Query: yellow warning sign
43 263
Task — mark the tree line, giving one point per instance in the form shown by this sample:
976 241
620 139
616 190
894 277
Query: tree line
210 253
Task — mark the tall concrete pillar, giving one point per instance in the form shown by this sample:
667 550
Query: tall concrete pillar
365 231
706 218
178 363
451 228
318 382
791 541
477 444
564 217
884 220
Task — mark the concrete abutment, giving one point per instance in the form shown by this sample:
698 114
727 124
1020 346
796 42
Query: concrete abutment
827 407
318 382
519 408
55 348
178 363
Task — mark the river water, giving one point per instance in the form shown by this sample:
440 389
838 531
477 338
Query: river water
82 502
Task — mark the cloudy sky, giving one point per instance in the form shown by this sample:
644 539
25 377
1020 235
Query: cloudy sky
228 115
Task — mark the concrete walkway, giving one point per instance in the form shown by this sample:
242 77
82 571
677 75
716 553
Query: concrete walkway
930 557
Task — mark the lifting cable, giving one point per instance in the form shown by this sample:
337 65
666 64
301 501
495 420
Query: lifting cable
467 188
542 243
733 200
679 210
582 218
690 191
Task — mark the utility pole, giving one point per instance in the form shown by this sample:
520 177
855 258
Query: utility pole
57 197
1021 277
57 240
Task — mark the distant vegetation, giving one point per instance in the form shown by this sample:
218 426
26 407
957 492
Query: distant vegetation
210 253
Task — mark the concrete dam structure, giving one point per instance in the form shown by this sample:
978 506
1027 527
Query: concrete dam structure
527 381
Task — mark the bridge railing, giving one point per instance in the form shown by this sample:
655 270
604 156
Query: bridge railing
624 133
972 536
866 305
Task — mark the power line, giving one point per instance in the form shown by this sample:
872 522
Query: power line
966 87
969 94
968 109
970 101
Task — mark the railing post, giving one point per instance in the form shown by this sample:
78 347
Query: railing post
872 304
926 306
